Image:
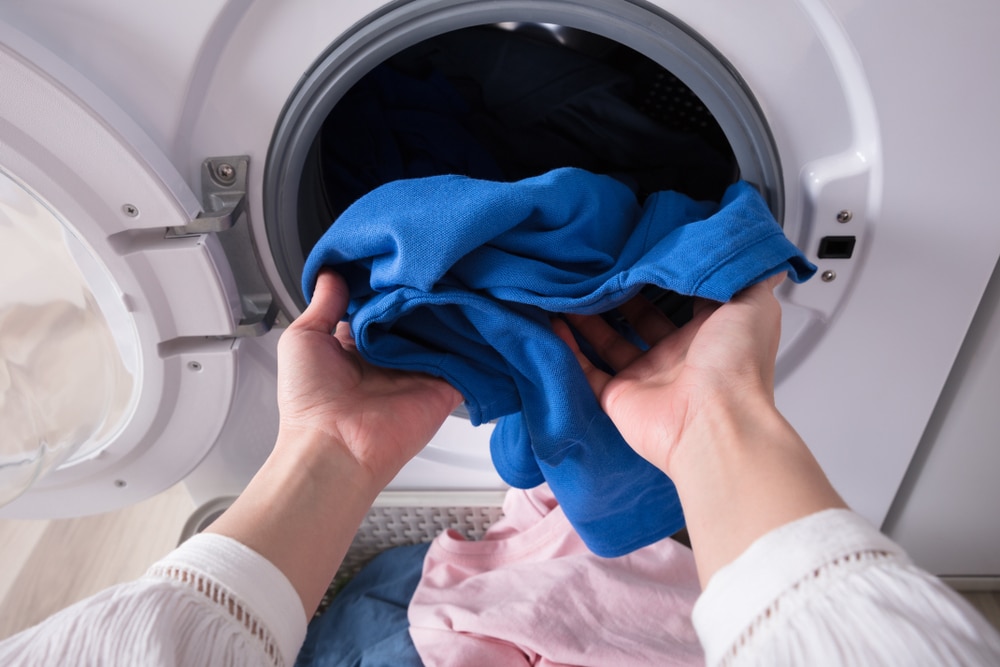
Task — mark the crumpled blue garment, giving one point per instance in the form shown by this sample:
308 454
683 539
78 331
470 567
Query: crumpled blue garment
458 277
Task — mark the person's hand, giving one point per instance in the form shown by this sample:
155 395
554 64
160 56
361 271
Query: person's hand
381 417
699 405
346 429
723 357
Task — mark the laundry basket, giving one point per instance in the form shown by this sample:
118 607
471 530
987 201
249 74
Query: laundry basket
397 518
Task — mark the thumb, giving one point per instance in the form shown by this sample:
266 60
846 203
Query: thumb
775 280
328 305
761 292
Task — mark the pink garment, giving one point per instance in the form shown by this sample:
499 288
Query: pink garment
531 593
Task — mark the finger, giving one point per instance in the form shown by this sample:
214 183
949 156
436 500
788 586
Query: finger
774 281
761 295
610 345
702 308
345 336
452 396
649 322
328 305
672 350
596 378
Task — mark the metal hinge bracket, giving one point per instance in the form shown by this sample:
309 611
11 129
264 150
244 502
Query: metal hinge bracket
224 200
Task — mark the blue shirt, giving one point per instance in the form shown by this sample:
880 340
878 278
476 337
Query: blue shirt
458 278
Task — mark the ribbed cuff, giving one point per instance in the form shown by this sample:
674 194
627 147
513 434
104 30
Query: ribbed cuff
742 591
260 586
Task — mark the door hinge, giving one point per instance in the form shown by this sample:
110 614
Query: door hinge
225 214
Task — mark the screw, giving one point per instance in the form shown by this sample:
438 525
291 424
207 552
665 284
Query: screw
194 365
131 210
121 483
845 216
225 172
828 276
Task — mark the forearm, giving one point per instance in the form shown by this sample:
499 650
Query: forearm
301 511
741 472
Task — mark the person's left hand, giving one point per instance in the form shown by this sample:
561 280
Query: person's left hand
381 417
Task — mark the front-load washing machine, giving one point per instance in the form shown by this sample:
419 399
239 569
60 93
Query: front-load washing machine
162 176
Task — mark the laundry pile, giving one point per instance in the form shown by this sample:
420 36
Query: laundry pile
528 593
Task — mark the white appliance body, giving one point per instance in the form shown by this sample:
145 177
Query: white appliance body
882 118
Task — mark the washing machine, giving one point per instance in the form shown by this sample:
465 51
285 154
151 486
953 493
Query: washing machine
161 179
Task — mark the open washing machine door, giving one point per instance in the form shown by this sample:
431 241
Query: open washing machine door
120 317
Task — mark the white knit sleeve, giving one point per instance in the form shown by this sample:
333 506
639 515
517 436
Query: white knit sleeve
212 601
829 589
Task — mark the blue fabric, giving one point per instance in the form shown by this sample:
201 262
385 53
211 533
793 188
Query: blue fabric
366 624
457 277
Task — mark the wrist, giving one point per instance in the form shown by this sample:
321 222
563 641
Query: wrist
742 471
302 508
726 424
323 463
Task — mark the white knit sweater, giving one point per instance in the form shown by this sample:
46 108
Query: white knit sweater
212 601
829 589
825 590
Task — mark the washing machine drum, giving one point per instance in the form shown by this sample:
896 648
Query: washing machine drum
501 105
499 102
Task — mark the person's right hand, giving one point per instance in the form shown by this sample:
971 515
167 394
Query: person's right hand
699 405
723 358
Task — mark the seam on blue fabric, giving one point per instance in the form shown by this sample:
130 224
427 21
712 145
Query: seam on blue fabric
570 442
740 250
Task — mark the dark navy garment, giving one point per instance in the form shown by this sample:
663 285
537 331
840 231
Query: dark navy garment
458 277
366 624
538 106
502 106
393 126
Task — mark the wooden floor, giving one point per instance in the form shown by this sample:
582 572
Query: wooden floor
988 605
48 565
